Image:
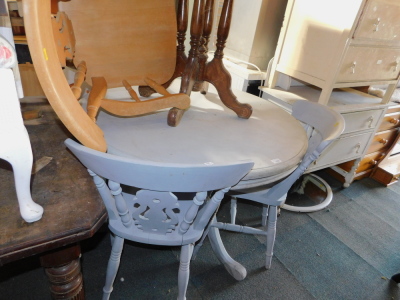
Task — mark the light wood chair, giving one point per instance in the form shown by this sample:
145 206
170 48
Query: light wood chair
323 125
15 146
154 215
124 44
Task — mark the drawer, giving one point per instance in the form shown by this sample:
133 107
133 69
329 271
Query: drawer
392 109
343 149
368 162
369 64
382 140
361 120
379 21
390 121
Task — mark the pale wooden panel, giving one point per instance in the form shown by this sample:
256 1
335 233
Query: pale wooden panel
316 36
124 39
380 21
370 63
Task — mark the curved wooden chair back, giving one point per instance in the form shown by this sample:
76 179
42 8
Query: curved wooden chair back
115 44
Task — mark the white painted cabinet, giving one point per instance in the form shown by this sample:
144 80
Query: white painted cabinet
329 46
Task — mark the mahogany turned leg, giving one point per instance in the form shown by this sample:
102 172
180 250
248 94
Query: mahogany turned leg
203 48
63 270
191 69
215 71
181 59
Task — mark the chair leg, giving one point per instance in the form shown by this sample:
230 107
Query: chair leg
113 265
264 215
184 270
233 209
271 233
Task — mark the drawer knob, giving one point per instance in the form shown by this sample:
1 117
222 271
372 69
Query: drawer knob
373 162
353 67
383 141
357 147
394 121
370 120
376 24
396 65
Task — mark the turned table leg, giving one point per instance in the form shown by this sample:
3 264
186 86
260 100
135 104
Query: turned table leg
63 269
215 72
181 58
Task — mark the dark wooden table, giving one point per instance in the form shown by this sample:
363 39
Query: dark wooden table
73 209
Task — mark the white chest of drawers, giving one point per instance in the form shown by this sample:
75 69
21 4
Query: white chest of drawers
337 44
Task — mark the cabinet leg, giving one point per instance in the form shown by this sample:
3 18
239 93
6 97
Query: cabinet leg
348 178
63 269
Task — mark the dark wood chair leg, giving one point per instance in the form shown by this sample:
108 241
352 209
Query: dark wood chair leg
63 269
215 72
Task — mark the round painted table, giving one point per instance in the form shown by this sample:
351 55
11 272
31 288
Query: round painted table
208 133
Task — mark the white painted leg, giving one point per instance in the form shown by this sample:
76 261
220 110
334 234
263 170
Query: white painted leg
264 215
184 270
113 265
233 267
271 233
19 155
233 209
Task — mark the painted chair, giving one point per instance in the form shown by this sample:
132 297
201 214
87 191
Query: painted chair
15 146
323 125
153 214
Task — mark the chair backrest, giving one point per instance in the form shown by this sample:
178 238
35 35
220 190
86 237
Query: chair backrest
128 39
326 125
124 39
154 214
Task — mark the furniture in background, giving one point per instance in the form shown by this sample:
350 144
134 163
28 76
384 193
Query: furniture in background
323 126
153 213
15 145
194 68
210 135
73 210
387 171
329 55
381 143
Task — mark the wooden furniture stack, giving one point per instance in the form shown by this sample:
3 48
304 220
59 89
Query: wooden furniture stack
388 169
380 145
329 47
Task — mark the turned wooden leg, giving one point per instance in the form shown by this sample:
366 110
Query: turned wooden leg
200 85
215 71
184 270
271 233
181 59
191 68
63 270
113 266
